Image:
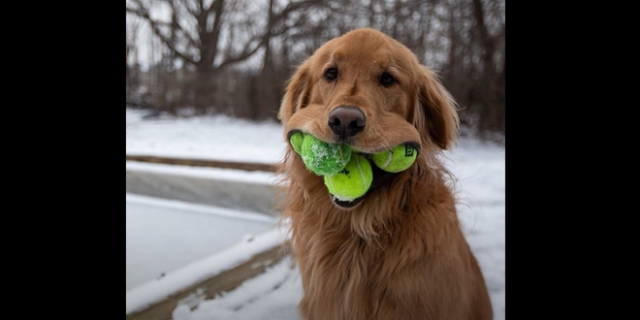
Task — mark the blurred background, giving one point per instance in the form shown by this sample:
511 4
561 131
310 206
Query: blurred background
204 80
195 57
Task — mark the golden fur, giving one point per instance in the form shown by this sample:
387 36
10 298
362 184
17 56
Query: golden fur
400 253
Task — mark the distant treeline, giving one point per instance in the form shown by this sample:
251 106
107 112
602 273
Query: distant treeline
234 56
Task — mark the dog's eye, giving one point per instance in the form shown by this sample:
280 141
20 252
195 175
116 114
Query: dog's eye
387 79
331 74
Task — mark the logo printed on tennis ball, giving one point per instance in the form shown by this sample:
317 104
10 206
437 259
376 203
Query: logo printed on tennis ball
324 158
398 159
353 181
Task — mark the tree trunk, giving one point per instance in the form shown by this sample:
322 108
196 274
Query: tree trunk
266 88
491 113
128 74
487 41
203 88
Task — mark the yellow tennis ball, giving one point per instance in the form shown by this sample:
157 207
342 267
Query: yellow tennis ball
353 181
296 141
398 159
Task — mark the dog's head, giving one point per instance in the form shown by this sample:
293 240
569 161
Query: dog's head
369 91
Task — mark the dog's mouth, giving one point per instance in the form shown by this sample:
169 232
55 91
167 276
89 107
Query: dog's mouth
347 204
379 178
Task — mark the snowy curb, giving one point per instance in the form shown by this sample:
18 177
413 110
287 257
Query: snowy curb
236 189
216 211
210 173
155 291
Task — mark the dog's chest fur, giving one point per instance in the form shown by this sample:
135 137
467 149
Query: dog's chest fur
363 279
381 261
346 271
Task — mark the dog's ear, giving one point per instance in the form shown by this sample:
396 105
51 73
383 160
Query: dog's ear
435 117
296 96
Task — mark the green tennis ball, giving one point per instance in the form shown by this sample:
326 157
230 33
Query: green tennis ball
396 160
353 181
324 158
296 141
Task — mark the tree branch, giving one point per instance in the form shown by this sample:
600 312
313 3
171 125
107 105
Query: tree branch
294 6
144 13
214 5
246 53
191 11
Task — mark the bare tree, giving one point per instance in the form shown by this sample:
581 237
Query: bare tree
215 40
202 45
131 51
488 89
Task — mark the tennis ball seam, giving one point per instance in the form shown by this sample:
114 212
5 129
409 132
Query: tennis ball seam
331 183
389 158
364 181
397 159
347 187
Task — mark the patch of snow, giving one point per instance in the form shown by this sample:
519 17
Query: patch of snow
166 236
273 280
211 137
154 291
193 208
204 172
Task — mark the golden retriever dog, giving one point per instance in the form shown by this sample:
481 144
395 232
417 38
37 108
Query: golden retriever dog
398 251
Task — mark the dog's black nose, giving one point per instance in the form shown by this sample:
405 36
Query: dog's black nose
346 122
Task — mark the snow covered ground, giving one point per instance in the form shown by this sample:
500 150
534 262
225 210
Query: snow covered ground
163 235
479 167
220 138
